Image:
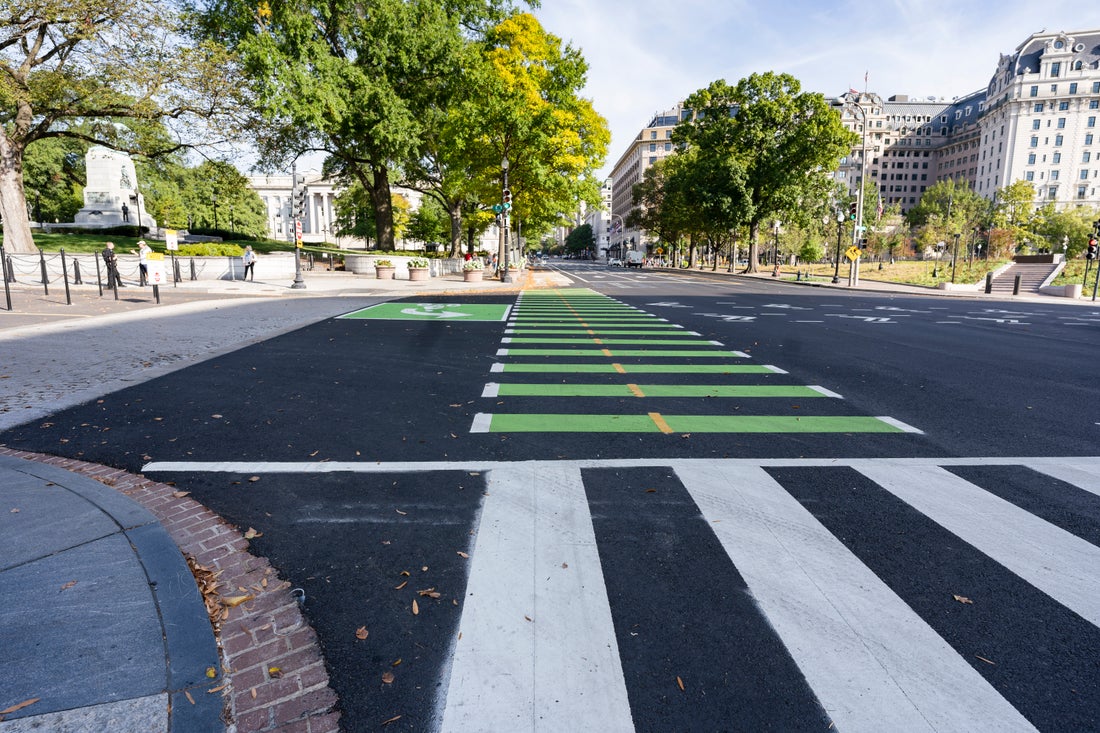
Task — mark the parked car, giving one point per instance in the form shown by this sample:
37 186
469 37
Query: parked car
614 262
635 259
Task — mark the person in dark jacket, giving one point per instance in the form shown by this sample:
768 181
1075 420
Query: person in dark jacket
111 261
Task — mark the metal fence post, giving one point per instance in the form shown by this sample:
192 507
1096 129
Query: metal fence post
193 276
4 266
45 278
77 280
65 277
98 276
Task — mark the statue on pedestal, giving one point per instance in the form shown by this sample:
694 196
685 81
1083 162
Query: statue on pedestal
111 192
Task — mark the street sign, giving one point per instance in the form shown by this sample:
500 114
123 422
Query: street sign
432 312
852 253
171 239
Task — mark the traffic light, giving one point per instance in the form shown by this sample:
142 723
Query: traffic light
863 243
1090 253
852 211
507 198
299 203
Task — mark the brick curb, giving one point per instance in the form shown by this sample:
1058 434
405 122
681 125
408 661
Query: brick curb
268 631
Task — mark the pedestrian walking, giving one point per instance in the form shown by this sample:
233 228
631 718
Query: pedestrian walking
111 261
143 252
249 258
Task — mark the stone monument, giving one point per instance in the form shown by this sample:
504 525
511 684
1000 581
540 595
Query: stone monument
111 195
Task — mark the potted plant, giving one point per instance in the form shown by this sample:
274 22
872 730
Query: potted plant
419 268
384 269
472 270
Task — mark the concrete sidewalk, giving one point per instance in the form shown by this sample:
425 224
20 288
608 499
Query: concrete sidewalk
103 627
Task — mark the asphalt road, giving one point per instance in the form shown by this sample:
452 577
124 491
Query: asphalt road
660 504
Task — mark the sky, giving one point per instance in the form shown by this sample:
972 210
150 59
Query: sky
644 56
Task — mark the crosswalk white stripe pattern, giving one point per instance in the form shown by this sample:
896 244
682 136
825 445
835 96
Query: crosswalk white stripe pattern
1053 560
1082 475
537 648
867 655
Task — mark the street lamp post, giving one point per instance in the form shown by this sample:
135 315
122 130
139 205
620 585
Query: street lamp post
214 201
839 233
955 257
299 283
505 276
775 251
854 103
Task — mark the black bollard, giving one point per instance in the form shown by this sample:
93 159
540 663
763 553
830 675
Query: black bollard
1016 286
4 267
156 292
65 277
45 278
77 280
232 272
175 270
988 282
193 276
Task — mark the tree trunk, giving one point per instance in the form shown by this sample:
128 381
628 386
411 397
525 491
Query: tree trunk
454 211
13 200
754 248
383 207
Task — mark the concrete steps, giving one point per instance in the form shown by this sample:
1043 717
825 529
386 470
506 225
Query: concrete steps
1032 275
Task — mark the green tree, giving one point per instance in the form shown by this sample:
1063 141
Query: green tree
429 224
354 80
1070 228
1014 213
580 240
531 113
79 69
783 139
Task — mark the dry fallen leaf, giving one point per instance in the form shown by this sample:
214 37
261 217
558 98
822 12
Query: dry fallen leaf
211 672
234 601
429 593
274 672
387 677
253 479
463 555
68 585
253 693
403 584
651 491
396 663
391 720
405 573
216 417
680 683
311 455
528 618
416 608
189 698
963 599
20 706
401 512
985 660
252 534
180 494
361 633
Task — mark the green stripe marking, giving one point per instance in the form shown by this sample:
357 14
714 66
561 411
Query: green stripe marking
589 340
639 368
598 332
714 353
655 390
559 423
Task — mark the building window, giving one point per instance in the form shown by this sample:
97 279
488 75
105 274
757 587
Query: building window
1061 123
1031 159
653 147
1035 124
1029 175
1052 193
1086 157
1038 107
1084 174
1073 88
1088 139
1091 122
652 159
1034 141
1034 91
1056 159
653 135
1054 175
1082 191
1096 87
1057 139
1063 106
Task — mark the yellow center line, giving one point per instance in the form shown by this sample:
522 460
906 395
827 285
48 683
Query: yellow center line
636 390
660 422
598 341
607 352
619 368
590 332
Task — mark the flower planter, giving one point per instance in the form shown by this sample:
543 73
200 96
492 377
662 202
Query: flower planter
384 273
419 273
472 276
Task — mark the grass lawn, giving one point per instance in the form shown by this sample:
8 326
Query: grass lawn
87 243
909 272
1074 274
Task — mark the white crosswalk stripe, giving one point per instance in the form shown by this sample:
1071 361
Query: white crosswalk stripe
537 647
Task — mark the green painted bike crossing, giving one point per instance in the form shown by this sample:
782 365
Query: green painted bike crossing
615 340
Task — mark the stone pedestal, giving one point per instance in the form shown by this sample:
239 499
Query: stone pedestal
111 195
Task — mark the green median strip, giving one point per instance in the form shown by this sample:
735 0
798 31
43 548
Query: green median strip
615 353
494 389
634 368
654 423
